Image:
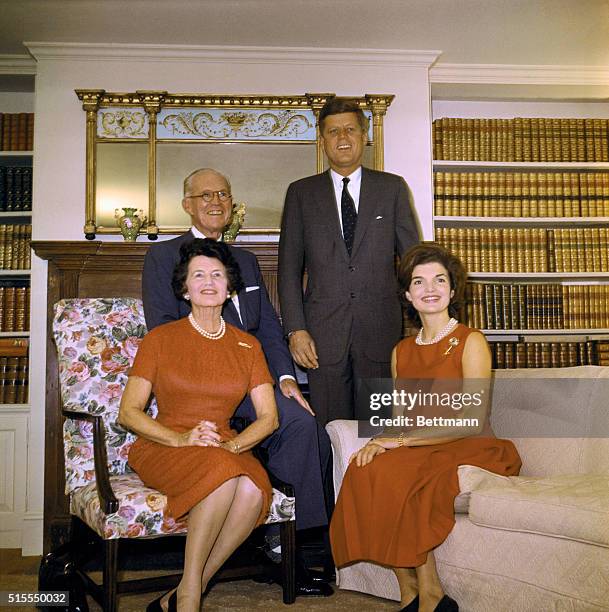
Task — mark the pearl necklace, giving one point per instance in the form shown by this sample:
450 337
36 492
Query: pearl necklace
443 332
210 335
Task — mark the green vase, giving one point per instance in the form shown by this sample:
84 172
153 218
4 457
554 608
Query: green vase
129 223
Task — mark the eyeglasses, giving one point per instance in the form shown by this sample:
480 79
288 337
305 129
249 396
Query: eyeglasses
208 196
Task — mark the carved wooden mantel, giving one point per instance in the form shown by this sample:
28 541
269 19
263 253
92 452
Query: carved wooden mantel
79 269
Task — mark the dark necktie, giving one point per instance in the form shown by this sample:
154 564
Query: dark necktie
349 216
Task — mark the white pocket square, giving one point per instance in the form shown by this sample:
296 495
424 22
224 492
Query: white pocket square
379 217
252 288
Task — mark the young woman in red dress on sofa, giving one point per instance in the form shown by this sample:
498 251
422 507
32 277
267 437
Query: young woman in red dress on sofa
396 503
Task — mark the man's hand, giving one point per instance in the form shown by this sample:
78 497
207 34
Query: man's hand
289 388
303 349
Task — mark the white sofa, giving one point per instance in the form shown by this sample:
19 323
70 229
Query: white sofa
538 541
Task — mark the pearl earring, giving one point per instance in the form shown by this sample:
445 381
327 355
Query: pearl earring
187 297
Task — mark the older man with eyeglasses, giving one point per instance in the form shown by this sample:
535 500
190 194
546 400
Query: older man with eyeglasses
299 450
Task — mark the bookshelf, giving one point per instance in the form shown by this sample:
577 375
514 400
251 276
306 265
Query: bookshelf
16 131
525 204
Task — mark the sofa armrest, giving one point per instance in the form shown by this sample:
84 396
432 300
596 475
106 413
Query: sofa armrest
343 435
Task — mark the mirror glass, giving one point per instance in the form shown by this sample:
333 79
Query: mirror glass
259 174
122 179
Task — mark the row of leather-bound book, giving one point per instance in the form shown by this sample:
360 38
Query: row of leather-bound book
494 249
13 380
15 251
521 194
16 131
537 306
549 354
14 307
522 139
15 188
13 370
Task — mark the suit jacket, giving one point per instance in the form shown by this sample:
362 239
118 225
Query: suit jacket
347 298
257 312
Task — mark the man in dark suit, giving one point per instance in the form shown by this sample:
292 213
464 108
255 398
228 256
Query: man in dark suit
299 450
344 227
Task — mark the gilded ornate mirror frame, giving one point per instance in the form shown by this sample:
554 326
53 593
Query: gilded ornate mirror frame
154 116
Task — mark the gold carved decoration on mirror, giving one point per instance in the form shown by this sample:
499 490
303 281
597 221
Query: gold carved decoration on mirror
140 146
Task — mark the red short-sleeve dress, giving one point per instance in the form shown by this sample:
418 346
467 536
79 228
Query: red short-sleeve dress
400 506
195 378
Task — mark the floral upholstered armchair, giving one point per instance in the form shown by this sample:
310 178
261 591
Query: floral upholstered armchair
97 339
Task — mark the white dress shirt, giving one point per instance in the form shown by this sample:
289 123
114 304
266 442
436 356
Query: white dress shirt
353 187
235 298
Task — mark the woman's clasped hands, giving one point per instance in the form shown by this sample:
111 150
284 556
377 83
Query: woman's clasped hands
205 433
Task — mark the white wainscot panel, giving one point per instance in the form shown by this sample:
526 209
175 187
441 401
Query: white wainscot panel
13 474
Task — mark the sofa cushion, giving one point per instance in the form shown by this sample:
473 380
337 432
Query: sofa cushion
472 478
572 506
556 417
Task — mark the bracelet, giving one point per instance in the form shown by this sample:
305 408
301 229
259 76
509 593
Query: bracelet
235 446
401 441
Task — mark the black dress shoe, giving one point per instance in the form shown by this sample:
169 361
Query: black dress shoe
310 583
317 576
413 606
313 589
172 604
447 604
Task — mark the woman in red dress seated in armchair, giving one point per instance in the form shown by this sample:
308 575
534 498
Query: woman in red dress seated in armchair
199 369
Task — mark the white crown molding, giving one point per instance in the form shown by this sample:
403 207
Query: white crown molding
508 74
17 64
231 54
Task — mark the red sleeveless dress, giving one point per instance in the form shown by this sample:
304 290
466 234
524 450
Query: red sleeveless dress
401 505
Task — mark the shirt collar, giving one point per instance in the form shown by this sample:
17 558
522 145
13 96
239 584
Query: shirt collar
197 234
354 177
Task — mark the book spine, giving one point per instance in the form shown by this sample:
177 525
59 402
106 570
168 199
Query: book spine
10 380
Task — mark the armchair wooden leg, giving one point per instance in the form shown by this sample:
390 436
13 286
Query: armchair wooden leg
110 575
287 536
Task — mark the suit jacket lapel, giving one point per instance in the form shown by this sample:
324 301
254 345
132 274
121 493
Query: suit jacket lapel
366 209
232 316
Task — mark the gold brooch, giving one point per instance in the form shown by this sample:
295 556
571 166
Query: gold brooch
244 344
453 342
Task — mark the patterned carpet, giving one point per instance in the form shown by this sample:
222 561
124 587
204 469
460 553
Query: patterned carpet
21 574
